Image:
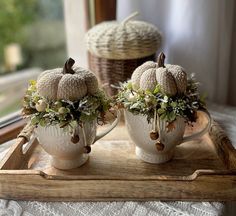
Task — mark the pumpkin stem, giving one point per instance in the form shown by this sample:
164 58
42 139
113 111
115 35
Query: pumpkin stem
161 60
68 66
130 17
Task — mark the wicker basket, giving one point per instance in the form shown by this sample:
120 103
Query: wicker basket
112 71
116 49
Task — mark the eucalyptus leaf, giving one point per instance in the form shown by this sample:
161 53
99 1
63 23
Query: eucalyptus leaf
160 111
34 120
135 105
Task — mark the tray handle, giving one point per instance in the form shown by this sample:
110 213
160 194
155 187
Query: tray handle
19 152
26 132
223 145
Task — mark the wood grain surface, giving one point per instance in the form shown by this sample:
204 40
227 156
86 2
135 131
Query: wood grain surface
203 169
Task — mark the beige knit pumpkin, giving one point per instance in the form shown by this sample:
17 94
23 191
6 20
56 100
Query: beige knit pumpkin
68 83
172 79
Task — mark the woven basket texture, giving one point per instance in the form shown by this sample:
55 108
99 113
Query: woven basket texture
113 71
128 39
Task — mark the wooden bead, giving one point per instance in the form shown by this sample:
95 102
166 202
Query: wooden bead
159 146
75 138
154 135
87 149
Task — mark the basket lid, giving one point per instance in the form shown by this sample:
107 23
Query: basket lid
128 39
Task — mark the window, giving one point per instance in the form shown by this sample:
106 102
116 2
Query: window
32 38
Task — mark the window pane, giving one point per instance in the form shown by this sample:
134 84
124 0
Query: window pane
32 38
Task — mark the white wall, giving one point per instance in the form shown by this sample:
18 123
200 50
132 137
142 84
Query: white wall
197 35
75 25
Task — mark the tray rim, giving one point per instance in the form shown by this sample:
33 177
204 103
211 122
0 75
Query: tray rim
224 149
199 176
35 187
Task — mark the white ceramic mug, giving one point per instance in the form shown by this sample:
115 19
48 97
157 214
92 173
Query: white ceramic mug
146 149
65 154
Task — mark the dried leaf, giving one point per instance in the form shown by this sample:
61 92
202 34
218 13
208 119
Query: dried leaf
170 127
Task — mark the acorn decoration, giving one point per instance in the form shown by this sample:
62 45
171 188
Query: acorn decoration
68 83
154 133
172 79
87 149
159 146
75 138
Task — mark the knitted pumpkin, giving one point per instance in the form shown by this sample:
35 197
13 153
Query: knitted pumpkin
172 79
68 83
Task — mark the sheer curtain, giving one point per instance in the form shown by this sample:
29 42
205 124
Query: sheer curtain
197 35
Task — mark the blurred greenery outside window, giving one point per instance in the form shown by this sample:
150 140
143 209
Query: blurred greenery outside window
32 35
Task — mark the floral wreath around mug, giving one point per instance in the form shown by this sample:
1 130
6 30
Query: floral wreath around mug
49 101
160 91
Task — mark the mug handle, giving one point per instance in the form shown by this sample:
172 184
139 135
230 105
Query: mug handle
203 131
106 131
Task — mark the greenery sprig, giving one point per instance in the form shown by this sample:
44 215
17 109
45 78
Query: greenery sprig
168 108
45 112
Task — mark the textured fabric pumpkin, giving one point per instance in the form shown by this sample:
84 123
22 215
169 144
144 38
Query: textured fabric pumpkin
172 79
68 83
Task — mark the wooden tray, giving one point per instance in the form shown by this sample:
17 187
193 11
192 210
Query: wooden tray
201 170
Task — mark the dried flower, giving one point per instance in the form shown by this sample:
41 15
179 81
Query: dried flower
168 108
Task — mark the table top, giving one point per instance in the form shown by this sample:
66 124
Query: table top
225 116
